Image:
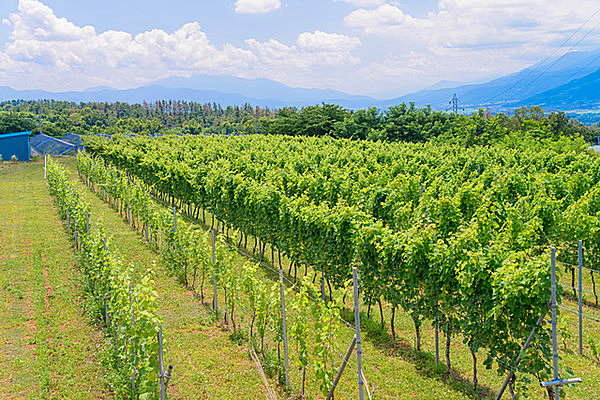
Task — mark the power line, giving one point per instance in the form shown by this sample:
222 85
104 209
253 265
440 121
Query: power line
549 57
559 58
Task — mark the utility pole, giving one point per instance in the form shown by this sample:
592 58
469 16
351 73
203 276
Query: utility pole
40 117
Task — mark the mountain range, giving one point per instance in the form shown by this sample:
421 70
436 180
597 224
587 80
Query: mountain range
568 82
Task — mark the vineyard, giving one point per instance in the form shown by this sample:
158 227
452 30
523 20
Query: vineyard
257 237
456 238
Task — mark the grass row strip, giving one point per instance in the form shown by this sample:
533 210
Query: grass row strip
48 347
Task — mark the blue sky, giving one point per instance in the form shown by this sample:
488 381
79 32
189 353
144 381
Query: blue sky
373 47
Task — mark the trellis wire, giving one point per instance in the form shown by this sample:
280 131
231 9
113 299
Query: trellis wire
575 288
577 312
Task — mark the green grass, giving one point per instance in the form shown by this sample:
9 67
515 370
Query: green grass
394 369
48 348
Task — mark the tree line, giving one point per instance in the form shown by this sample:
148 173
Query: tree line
403 122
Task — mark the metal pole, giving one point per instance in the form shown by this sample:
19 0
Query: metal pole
322 284
284 331
128 216
525 346
554 335
342 367
437 343
214 260
174 219
161 368
361 392
45 157
580 298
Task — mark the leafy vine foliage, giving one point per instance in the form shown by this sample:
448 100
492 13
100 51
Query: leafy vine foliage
451 234
187 251
121 297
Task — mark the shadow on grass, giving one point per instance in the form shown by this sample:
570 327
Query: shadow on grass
424 362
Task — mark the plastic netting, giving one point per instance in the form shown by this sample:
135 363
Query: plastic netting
34 141
72 138
44 144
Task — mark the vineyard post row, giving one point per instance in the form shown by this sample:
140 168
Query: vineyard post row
177 239
128 309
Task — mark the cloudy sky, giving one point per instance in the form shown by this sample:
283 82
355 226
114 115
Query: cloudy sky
373 47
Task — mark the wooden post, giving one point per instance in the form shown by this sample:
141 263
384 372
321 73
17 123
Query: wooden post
580 298
284 331
361 392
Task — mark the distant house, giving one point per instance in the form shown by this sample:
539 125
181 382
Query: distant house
15 144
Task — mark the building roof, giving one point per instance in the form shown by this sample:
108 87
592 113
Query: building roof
7 135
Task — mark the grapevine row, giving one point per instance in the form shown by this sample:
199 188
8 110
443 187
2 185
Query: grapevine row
466 253
120 297
187 252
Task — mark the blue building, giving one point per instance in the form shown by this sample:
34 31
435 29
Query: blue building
15 144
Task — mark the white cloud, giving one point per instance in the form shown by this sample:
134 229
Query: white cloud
49 52
256 6
362 3
327 41
476 24
469 39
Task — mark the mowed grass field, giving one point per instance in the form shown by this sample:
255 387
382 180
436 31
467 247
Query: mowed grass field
49 348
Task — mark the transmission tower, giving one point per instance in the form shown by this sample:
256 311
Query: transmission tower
454 103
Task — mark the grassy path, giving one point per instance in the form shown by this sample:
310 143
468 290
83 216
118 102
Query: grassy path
48 350
206 363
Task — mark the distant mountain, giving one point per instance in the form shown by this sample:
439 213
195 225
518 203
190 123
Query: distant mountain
567 82
511 90
224 90
258 88
583 93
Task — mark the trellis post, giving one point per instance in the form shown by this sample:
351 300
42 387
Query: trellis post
284 332
580 265
556 383
361 392
214 261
